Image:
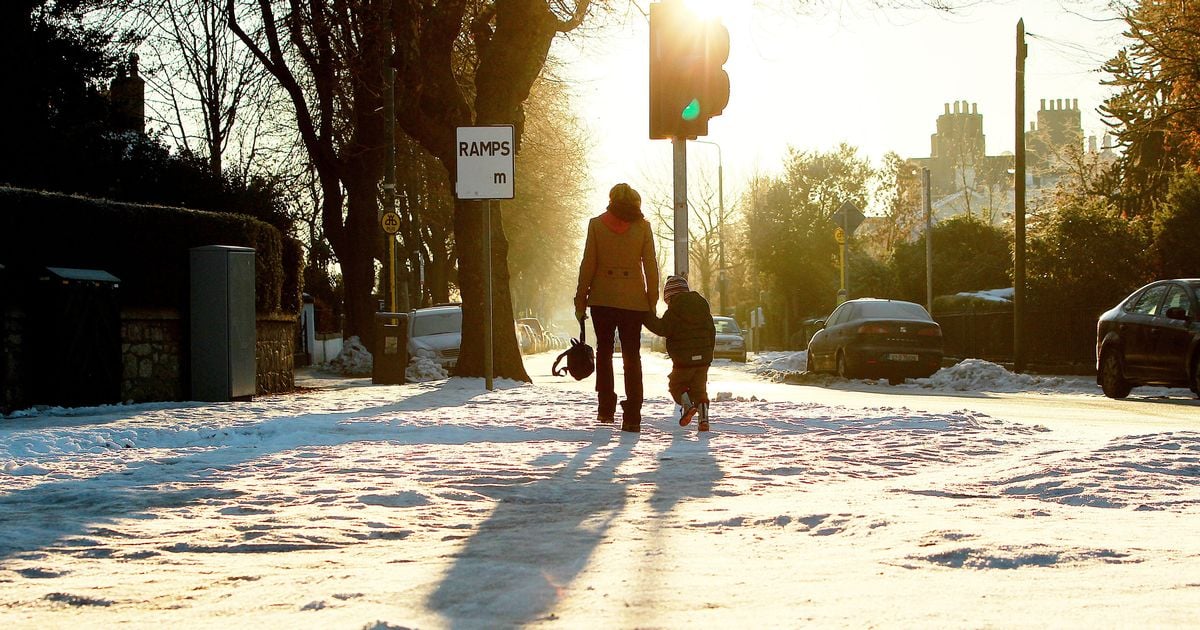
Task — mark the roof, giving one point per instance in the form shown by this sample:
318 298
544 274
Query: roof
88 275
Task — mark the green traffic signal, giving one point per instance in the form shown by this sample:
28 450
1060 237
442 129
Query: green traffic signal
692 111
688 85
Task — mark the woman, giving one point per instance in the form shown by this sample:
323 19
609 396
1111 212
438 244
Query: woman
618 279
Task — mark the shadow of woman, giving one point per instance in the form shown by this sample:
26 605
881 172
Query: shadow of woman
536 541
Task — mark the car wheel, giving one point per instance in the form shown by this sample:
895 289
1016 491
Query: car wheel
1112 375
895 380
843 370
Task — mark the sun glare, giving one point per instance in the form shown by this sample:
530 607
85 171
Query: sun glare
714 8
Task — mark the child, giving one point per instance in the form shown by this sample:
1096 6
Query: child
688 328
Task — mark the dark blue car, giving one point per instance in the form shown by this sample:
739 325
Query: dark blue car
871 338
1151 338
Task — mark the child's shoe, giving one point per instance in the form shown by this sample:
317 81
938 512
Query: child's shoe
703 424
689 409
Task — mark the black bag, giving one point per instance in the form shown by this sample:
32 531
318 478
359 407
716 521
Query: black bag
581 359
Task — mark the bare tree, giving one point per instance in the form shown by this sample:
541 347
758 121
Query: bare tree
544 222
707 223
329 58
212 93
510 41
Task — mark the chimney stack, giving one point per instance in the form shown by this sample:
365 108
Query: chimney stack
127 98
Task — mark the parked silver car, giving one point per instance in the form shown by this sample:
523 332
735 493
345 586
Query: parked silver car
731 343
437 329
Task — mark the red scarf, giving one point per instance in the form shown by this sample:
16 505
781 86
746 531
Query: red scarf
614 222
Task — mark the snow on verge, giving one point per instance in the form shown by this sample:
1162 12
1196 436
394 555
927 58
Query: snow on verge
973 375
425 367
353 360
966 375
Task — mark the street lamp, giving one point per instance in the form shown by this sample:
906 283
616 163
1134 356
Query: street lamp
720 224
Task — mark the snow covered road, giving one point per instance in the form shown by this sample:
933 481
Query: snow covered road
441 505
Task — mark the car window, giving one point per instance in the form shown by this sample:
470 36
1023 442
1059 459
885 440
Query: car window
1148 303
892 310
437 323
726 327
838 315
1177 297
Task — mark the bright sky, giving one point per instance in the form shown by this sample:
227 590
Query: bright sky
875 79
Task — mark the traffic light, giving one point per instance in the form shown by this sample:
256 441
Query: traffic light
688 84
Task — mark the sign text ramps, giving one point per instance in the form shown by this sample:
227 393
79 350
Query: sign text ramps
485 162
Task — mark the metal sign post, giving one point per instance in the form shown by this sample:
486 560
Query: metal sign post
485 167
847 219
390 222
487 290
839 235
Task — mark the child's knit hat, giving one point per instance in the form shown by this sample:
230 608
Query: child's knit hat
675 285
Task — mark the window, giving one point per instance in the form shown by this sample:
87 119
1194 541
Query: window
839 314
893 310
1177 297
436 322
1148 303
726 326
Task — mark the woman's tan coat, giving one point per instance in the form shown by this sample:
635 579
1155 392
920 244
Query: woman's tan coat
618 270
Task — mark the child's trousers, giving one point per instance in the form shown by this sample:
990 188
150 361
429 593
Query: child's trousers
693 380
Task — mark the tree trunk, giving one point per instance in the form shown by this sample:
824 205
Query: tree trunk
513 59
357 259
437 272
468 236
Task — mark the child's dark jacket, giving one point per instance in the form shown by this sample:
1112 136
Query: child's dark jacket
688 328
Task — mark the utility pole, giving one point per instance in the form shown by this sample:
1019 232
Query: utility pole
927 201
389 179
1019 205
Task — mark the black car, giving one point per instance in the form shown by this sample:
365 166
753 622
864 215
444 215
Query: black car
871 338
1151 338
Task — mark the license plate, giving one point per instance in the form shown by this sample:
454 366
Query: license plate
903 357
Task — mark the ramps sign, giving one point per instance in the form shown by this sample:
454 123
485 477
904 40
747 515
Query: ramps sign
485 162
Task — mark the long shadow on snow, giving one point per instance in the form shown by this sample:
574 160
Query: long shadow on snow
56 511
541 535
538 538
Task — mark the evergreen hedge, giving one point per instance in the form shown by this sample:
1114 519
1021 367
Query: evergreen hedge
145 246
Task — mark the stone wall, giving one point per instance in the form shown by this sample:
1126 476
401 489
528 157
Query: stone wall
12 391
152 355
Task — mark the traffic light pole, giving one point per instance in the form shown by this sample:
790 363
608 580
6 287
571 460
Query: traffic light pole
679 168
